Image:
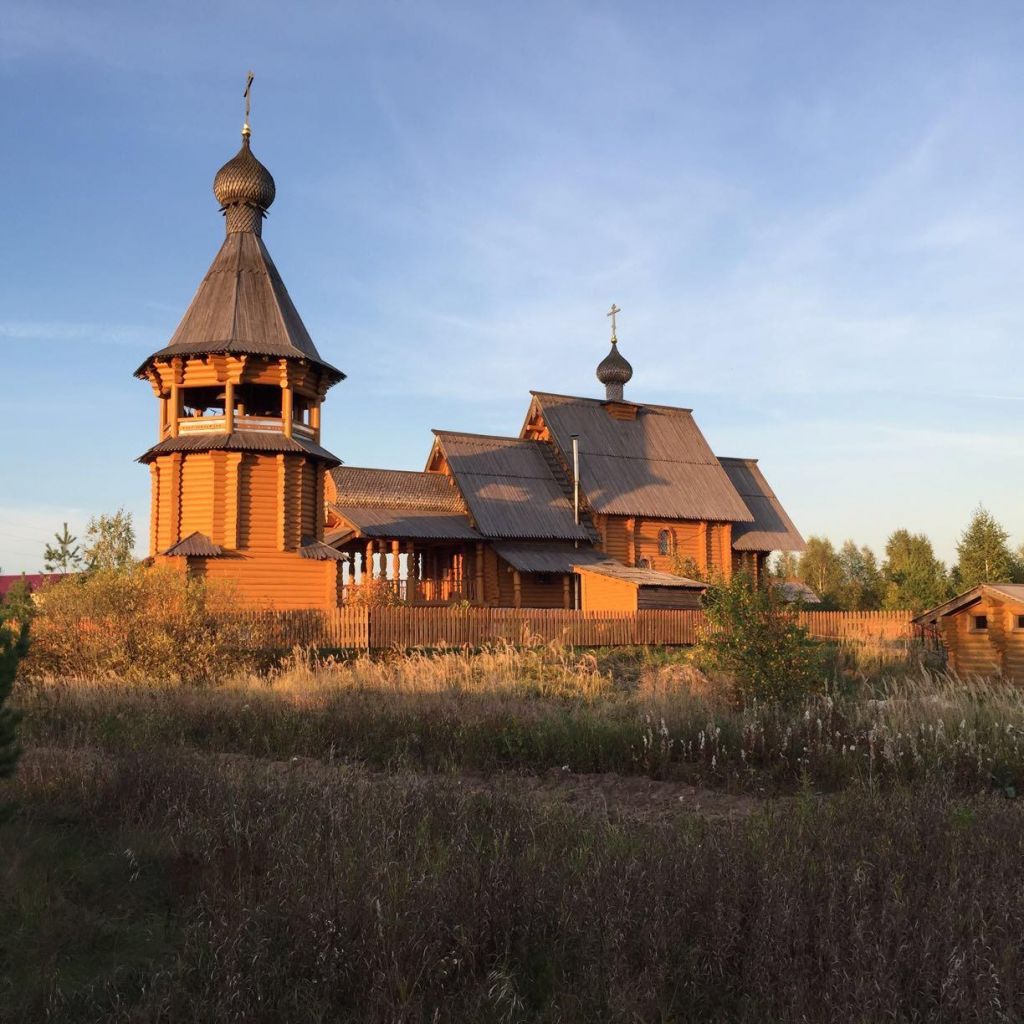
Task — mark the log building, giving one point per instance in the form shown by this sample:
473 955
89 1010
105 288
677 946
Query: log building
237 472
600 503
982 630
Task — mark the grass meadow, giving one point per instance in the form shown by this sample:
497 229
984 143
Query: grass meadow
534 834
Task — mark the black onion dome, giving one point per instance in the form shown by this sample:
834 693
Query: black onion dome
243 179
614 369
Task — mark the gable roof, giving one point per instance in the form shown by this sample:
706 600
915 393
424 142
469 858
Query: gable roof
401 505
657 464
514 488
772 529
1013 592
243 307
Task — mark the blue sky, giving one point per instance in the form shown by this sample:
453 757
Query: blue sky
810 213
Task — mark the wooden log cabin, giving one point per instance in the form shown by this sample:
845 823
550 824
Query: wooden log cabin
982 630
237 473
500 521
243 490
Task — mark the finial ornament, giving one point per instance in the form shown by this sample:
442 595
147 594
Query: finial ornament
246 130
613 312
614 371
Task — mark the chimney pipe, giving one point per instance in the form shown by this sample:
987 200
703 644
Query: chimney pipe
576 478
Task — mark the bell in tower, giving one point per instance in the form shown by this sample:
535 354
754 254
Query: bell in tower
237 472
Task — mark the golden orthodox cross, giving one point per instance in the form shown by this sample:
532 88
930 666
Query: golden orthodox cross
248 86
612 313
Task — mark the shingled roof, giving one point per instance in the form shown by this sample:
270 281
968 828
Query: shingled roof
242 307
400 504
657 464
514 488
772 529
240 441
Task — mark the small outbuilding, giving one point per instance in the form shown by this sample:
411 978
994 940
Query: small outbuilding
611 586
982 630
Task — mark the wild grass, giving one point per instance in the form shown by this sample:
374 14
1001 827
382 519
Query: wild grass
160 886
548 707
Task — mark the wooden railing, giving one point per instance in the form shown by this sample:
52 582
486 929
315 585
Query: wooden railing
382 628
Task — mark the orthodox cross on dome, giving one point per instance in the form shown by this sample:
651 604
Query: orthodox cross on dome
613 312
246 130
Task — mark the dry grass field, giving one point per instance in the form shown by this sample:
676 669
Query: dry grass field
513 835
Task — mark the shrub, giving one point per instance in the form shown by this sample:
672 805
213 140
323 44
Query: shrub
143 623
753 639
13 644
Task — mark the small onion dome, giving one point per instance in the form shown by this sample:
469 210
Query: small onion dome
614 369
244 180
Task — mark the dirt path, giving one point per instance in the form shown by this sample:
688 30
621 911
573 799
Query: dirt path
610 796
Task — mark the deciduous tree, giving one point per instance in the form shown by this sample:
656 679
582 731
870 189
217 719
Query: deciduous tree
819 567
862 588
914 577
110 541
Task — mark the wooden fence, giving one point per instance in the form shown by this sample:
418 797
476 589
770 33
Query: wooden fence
382 628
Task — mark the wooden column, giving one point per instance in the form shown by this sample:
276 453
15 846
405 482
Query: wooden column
314 420
229 407
631 540
164 401
174 412
478 567
368 566
282 502
410 574
517 589
287 396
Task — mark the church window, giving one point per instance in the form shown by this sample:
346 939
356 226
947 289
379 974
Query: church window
664 543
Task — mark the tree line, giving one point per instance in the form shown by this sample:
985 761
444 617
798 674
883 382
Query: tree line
910 575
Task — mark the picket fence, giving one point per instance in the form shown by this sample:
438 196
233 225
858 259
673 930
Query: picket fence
383 628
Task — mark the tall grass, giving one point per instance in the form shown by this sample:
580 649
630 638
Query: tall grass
172 887
535 709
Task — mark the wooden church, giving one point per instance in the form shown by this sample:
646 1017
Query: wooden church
596 503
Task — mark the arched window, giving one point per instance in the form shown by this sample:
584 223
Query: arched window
664 543
644 563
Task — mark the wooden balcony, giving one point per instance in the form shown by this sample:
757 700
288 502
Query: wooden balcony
189 425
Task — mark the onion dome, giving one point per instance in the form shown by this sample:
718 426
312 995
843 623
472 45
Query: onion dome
244 188
613 371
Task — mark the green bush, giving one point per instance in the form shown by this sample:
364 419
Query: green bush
753 639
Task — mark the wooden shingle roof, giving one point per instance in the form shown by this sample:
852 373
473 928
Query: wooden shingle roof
396 488
243 307
772 529
240 441
657 464
514 488
401 505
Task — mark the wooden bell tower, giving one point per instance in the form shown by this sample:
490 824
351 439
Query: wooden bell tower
238 470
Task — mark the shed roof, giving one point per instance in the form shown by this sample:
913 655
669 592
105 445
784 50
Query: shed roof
657 464
407 524
242 306
401 505
1013 592
641 577
513 487
541 556
318 551
772 529
396 488
240 441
